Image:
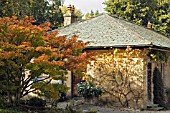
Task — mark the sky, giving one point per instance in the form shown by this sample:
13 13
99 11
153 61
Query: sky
86 5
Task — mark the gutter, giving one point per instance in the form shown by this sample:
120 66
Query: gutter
118 46
148 46
160 48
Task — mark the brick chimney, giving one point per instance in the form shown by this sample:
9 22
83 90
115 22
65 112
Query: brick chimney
149 25
70 17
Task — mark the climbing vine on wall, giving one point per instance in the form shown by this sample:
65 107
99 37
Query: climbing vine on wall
158 56
120 72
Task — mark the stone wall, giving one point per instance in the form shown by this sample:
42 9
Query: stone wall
122 78
166 73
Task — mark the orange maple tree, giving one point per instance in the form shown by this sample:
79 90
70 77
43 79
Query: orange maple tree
31 57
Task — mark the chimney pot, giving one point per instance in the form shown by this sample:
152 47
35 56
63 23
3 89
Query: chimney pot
69 17
69 7
73 8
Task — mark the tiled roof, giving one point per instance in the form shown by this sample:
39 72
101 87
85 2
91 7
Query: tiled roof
107 31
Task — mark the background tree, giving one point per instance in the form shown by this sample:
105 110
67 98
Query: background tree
162 17
45 11
41 10
91 14
30 58
87 16
19 8
142 11
96 13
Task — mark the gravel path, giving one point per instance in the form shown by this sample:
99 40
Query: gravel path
100 109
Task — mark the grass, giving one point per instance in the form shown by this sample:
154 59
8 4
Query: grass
11 111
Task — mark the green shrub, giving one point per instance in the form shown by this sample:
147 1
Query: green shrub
11 111
89 90
37 102
3 101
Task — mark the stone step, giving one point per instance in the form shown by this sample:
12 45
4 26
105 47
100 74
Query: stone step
152 105
155 108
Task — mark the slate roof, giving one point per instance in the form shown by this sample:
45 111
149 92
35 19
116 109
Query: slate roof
107 31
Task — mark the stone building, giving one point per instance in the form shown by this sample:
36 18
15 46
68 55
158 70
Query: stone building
105 32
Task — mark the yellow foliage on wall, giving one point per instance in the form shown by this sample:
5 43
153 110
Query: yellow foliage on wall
121 73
